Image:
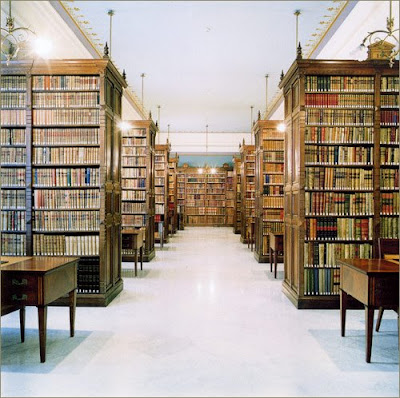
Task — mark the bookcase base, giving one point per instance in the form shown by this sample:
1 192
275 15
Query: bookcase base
147 257
318 302
94 299
243 240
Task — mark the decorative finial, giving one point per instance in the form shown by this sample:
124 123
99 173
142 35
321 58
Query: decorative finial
156 123
299 52
124 74
105 51
150 115
282 75
259 115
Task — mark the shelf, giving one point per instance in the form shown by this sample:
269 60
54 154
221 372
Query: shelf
339 215
65 145
339 143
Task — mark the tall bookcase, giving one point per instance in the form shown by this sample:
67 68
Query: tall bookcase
333 172
172 195
161 189
248 186
269 144
138 191
180 196
61 170
237 213
230 198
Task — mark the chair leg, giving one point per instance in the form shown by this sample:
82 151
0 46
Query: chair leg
378 322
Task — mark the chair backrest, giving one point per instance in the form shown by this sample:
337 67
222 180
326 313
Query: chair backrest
387 246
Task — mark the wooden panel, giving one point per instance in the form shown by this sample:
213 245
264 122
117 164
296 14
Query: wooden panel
17 289
59 283
354 283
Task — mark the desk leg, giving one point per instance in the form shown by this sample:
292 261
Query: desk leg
270 256
72 307
42 313
369 323
136 258
275 262
343 306
141 258
22 323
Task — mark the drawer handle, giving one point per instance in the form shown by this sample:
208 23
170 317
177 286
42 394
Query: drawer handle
22 298
23 282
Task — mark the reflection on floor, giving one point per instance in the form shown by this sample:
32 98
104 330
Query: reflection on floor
202 319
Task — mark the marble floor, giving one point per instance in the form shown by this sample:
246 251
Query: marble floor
202 319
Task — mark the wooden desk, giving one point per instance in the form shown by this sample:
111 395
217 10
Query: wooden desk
375 283
132 241
275 246
38 281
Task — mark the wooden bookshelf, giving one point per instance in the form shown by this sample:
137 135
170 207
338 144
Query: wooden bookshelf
180 197
248 181
269 144
61 165
172 195
138 195
161 190
230 199
237 213
333 174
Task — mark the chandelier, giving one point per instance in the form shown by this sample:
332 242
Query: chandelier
13 39
388 50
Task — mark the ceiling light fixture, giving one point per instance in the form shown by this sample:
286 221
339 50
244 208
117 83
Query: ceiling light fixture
13 39
388 50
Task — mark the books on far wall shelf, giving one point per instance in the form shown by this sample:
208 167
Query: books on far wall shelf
341 182
172 195
138 184
237 214
54 197
269 149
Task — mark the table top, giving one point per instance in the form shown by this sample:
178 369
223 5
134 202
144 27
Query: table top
35 264
371 266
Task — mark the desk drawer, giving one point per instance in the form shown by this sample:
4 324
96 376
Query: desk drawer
19 289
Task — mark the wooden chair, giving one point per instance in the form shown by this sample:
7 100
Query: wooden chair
250 235
386 248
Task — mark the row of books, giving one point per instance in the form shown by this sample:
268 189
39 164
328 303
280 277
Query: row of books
66 198
60 220
64 245
14 177
390 203
339 135
272 168
133 207
13 117
273 178
389 118
321 281
66 100
215 219
326 254
63 136
272 190
342 155
66 177
273 214
330 228
139 133
134 141
159 198
195 210
13 100
131 220
159 158
159 190
160 208
12 83
65 82
195 194
339 83
339 100
278 156
194 203
159 173
338 178
66 116
133 195
272 201
273 145
134 183
332 203
389 135
133 172
335 117
134 161
134 151
389 83
12 137
390 227
389 101
215 211
389 179
275 227
389 156
13 155
216 195
216 203
159 181
216 191
13 220
13 244
65 155
13 199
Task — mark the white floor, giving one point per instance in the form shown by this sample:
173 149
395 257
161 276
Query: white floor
202 319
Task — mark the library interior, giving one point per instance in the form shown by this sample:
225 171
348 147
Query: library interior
199 198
